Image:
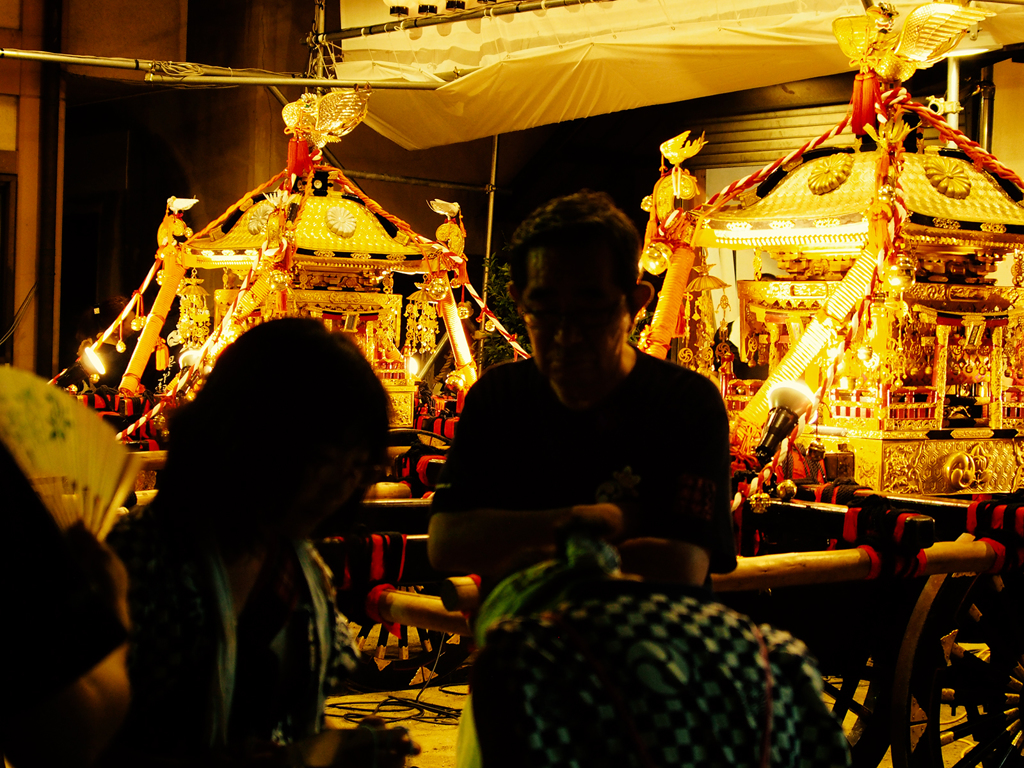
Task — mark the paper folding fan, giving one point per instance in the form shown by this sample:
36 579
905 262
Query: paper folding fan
68 453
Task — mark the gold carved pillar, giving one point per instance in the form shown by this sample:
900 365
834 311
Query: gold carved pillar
773 345
796 330
995 374
939 371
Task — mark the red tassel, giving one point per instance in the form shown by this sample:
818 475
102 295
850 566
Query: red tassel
865 93
299 161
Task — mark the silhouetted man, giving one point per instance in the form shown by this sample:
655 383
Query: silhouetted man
590 428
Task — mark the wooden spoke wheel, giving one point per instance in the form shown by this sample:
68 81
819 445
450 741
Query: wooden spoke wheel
960 675
858 700
854 631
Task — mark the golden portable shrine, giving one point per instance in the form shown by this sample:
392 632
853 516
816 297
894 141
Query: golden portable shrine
307 242
915 379
888 311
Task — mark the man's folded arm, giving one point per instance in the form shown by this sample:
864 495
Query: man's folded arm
489 542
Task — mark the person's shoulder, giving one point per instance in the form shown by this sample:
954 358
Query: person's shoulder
506 378
675 376
518 370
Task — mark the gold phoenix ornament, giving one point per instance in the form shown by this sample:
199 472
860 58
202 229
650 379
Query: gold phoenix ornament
930 32
326 118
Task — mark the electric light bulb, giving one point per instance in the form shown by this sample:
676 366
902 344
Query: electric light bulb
92 361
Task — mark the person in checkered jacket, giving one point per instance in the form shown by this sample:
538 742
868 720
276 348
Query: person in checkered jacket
581 667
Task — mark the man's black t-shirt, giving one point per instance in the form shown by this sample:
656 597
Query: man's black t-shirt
658 446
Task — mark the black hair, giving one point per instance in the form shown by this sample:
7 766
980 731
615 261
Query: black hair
583 219
277 401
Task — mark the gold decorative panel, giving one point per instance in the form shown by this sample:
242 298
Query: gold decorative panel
403 404
940 466
387 306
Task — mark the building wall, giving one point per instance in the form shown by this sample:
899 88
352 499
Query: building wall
20 83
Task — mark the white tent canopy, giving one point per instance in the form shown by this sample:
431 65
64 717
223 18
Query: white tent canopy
511 72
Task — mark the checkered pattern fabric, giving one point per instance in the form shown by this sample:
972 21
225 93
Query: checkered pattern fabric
175 635
632 676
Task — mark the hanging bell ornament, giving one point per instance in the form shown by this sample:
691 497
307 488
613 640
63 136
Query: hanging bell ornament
437 288
138 323
646 204
900 274
816 450
787 490
465 310
655 256
455 381
120 347
489 326
279 280
160 425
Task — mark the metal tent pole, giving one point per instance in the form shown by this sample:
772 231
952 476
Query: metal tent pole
987 92
203 75
483 11
953 91
317 52
491 186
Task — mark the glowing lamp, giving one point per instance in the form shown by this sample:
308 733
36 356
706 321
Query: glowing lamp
412 366
92 361
787 402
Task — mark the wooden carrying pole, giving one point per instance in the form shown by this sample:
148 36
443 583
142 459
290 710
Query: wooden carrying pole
424 611
752 573
799 568
169 252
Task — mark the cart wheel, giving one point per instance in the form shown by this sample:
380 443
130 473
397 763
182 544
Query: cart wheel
414 658
960 675
855 650
858 700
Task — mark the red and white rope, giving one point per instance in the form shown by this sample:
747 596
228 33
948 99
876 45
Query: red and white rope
135 299
972 149
894 232
724 196
489 315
